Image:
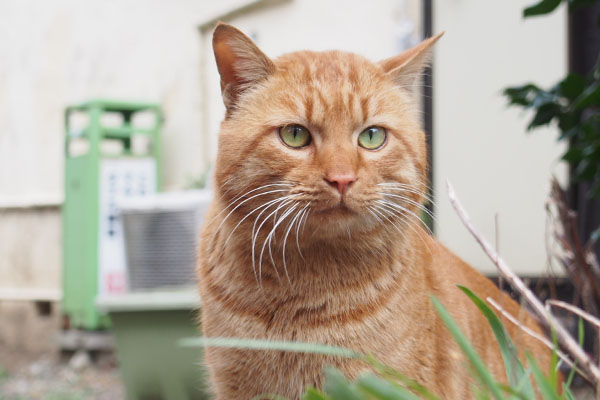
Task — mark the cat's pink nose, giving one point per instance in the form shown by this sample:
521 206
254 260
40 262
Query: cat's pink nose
340 181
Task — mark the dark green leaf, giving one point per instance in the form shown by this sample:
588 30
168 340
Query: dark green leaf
573 155
541 8
591 96
574 4
545 113
572 86
521 95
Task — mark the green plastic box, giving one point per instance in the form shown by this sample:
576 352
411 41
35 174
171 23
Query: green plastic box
148 327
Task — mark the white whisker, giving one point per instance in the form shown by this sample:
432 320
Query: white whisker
245 194
404 210
255 235
283 200
414 203
272 234
239 205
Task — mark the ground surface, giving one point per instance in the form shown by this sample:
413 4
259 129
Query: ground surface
51 377
32 369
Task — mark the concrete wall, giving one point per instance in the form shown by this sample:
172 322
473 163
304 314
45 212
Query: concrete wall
480 144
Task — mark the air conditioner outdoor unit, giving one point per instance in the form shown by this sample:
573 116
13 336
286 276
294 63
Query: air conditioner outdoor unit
161 234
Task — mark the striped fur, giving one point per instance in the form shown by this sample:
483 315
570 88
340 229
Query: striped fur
280 258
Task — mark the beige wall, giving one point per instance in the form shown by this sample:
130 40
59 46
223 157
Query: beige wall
480 144
54 53
30 253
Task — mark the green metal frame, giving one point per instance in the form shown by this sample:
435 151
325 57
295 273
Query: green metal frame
81 206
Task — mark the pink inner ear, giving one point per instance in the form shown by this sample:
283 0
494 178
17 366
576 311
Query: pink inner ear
225 60
394 62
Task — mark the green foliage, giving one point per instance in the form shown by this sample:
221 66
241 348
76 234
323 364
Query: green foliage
571 104
547 6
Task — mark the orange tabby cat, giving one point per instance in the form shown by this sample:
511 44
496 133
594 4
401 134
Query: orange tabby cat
314 233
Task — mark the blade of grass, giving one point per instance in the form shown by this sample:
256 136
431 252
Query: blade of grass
262 344
479 369
553 372
544 385
391 373
567 384
514 392
338 388
512 364
382 389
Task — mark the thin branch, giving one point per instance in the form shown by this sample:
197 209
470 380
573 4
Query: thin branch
564 338
531 333
575 310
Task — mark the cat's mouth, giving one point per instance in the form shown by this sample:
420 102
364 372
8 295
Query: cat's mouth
339 210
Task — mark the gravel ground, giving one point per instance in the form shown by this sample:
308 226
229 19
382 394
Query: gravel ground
50 377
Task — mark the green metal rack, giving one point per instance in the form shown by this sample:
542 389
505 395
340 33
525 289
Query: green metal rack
108 155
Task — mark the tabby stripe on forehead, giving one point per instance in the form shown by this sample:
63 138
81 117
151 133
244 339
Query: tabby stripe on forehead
324 102
364 106
353 77
290 104
351 103
308 106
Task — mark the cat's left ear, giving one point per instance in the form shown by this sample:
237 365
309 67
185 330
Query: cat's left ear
240 62
406 67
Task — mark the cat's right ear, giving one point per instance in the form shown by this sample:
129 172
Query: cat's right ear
240 62
406 67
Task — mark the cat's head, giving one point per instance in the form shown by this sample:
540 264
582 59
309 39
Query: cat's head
330 135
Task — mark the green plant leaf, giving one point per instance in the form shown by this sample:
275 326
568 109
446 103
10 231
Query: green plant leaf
544 386
338 388
569 381
479 370
544 115
261 344
574 4
572 86
381 389
590 96
521 95
269 396
391 374
512 364
515 392
553 373
313 394
541 8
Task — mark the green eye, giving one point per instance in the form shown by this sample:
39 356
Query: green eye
372 138
295 136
